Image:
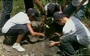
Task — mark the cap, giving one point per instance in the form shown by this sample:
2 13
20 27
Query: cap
52 7
33 12
58 15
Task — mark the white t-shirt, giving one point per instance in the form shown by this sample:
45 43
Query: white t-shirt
77 2
75 26
20 18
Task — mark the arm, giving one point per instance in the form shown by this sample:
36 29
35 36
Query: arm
33 33
59 34
54 43
60 8
39 4
83 1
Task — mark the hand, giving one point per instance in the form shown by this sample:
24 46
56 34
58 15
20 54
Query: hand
53 43
41 34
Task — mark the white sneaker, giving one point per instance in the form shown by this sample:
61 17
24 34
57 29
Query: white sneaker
18 47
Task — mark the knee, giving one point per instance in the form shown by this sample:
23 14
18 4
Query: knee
64 39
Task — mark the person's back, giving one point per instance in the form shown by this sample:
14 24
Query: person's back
82 33
20 18
52 7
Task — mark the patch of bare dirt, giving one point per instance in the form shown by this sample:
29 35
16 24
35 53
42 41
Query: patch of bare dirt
35 49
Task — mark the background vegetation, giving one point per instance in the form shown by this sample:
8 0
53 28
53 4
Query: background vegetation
19 6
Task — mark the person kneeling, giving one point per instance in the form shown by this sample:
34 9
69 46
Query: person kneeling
75 34
20 24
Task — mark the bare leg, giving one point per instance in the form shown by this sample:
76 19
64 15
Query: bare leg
17 45
19 39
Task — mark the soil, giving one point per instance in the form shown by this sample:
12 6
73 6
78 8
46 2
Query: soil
32 49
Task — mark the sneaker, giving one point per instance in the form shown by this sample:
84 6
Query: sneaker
18 47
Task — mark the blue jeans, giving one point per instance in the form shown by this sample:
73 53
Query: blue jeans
81 12
7 9
71 9
69 45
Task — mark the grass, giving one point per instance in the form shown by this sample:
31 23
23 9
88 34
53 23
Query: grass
0 6
18 6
